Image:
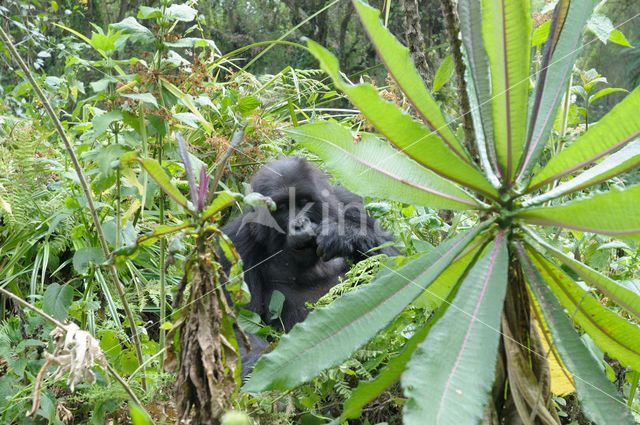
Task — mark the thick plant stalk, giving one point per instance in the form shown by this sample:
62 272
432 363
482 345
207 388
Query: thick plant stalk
452 26
415 37
87 193
527 370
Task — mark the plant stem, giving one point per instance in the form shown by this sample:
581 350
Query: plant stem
237 137
124 384
87 193
163 242
35 309
118 200
163 278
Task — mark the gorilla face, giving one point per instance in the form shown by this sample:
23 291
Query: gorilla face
303 196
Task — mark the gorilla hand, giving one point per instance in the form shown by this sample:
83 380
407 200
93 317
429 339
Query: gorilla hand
348 242
333 242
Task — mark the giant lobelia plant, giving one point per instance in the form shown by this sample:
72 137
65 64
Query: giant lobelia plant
506 300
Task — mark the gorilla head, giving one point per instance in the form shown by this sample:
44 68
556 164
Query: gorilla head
304 199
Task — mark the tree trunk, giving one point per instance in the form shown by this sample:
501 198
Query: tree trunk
452 26
414 36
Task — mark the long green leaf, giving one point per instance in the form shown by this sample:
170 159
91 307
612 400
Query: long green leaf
436 295
610 213
221 201
449 378
599 398
397 60
627 158
618 128
372 167
613 334
186 101
161 231
403 131
563 45
625 298
506 30
370 390
329 335
164 181
478 84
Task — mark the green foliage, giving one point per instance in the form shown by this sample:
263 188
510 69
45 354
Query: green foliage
120 120
456 354
123 91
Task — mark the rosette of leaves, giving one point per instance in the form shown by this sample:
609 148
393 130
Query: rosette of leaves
500 292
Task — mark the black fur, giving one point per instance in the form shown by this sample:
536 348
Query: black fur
306 244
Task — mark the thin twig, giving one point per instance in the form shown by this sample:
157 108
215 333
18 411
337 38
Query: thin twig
33 308
37 391
87 193
236 139
61 325
124 384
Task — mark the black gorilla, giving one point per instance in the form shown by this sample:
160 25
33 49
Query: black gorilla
304 246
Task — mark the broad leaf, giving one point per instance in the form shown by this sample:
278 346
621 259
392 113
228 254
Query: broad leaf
618 37
147 12
624 297
599 398
403 131
506 30
610 213
102 122
606 92
372 167
611 333
449 378
181 12
562 47
164 181
541 33
134 30
83 257
433 298
627 158
618 128
478 84
329 335
57 300
398 61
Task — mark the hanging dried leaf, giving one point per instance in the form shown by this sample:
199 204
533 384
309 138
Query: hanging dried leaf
75 352
207 375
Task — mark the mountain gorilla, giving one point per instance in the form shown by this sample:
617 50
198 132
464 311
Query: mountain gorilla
302 247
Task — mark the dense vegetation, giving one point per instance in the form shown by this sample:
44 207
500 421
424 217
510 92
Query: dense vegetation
508 175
